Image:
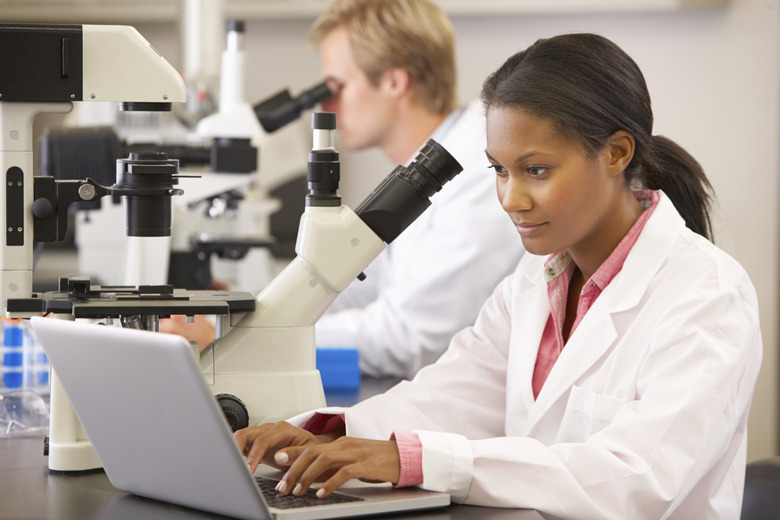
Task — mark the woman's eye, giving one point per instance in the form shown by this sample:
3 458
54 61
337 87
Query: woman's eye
498 168
536 171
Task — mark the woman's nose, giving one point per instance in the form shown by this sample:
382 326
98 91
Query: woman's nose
512 195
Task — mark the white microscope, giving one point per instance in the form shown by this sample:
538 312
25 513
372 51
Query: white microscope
44 69
262 365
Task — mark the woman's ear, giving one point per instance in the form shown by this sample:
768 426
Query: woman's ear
621 150
396 81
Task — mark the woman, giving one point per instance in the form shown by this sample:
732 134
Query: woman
611 375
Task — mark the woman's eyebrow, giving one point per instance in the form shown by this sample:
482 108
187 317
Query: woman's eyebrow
520 159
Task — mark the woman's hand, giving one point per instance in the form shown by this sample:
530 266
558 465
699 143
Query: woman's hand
337 462
261 443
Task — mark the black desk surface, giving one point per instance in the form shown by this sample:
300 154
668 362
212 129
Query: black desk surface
29 491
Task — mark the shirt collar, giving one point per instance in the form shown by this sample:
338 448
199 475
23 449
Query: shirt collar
558 262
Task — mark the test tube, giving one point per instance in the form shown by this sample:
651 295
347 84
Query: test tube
13 353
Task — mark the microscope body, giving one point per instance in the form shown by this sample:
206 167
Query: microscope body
263 368
44 68
72 63
268 357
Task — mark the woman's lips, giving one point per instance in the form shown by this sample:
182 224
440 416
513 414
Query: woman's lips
527 228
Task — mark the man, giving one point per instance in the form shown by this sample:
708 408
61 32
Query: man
391 67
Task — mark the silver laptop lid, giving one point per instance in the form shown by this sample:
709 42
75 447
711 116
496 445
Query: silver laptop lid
139 409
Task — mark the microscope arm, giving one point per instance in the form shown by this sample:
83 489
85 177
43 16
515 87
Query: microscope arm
335 247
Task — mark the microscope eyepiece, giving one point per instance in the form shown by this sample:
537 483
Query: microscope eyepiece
324 169
236 26
431 169
323 121
281 108
405 193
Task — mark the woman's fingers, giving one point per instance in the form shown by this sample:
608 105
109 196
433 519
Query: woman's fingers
246 436
338 462
261 443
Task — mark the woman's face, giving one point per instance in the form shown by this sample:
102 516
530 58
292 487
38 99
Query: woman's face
557 195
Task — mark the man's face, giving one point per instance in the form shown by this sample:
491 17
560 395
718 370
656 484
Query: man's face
364 111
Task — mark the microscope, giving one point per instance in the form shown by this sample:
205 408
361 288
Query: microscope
233 231
261 366
45 69
231 224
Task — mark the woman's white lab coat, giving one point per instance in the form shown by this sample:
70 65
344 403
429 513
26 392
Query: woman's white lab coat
643 415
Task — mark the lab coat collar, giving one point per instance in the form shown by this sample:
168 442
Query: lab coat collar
653 246
597 327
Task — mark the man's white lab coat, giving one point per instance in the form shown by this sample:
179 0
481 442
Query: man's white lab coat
431 281
643 416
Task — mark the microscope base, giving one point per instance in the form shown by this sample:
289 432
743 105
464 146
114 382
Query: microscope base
73 456
271 370
69 448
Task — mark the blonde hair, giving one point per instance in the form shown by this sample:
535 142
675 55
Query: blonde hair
414 35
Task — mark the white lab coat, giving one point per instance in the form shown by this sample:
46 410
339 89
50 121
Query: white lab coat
431 281
643 415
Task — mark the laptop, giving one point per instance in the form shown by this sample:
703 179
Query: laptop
160 433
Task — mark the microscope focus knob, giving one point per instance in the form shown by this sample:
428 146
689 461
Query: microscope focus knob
42 208
235 411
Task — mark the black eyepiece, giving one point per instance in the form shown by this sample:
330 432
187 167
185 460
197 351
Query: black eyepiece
281 108
323 121
405 193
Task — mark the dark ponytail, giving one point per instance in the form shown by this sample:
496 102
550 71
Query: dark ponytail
589 88
682 178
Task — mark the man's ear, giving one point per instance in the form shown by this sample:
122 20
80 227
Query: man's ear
396 81
620 151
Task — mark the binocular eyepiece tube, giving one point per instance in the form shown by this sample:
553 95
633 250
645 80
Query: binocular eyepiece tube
405 193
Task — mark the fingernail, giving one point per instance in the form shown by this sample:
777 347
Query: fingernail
281 487
298 489
320 493
281 457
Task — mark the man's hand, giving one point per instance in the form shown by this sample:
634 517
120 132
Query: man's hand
201 330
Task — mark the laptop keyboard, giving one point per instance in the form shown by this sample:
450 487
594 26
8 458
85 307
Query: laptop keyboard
275 499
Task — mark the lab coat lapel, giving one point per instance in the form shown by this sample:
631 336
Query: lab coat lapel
596 332
593 336
527 330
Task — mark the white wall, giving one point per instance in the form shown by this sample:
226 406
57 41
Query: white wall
713 77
